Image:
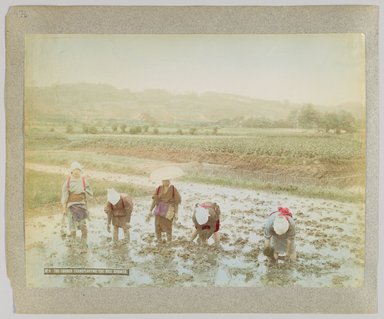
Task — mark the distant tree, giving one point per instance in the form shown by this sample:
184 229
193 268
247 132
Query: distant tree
192 130
214 130
146 128
293 118
52 129
92 129
123 127
347 122
114 128
179 131
308 117
156 131
135 130
85 129
330 121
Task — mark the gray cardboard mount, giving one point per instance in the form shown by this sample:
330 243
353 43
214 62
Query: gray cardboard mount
184 20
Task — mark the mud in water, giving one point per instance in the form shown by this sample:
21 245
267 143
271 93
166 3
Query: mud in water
329 241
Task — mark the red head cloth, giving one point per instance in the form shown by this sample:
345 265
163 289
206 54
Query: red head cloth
284 211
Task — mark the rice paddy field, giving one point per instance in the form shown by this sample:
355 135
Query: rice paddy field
249 172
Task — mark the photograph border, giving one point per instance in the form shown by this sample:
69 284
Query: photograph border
185 20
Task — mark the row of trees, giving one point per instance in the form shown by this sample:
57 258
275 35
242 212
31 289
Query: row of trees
93 129
307 117
123 129
310 118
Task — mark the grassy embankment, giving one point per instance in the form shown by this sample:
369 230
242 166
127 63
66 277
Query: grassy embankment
43 192
270 150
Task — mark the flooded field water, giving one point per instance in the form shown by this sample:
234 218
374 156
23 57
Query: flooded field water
329 241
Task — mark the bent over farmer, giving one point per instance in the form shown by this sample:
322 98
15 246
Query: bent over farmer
119 209
74 200
279 234
206 219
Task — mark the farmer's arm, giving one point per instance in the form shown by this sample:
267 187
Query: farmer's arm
268 233
177 196
153 204
108 210
218 212
290 253
128 204
154 201
289 246
175 201
155 197
268 250
197 230
88 188
64 196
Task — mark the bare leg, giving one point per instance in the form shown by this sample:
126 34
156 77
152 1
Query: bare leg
84 230
158 233
126 234
169 235
194 235
216 238
115 234
292 257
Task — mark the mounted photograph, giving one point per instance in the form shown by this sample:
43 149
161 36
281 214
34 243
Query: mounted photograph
155 152
195 160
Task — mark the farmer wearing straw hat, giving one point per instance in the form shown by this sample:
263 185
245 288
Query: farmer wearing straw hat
279 234
74 199
206 219
118 208
165 201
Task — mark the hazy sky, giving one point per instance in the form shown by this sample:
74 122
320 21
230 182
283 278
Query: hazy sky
325 69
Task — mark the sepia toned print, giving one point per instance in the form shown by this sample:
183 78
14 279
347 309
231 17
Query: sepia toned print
249 129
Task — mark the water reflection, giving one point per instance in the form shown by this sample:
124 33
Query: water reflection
280 274
206 266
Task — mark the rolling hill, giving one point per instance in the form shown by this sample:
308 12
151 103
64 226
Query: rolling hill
105 102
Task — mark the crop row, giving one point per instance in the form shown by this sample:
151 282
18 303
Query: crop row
306 147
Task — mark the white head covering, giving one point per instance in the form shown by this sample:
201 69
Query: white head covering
280 225
201 215
75 165
113 196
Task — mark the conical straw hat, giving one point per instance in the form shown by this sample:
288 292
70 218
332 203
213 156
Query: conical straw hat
165 173
113 196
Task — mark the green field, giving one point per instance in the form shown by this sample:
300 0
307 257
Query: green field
44 192
293 146
303 163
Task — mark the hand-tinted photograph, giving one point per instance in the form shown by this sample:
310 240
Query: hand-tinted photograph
195 160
